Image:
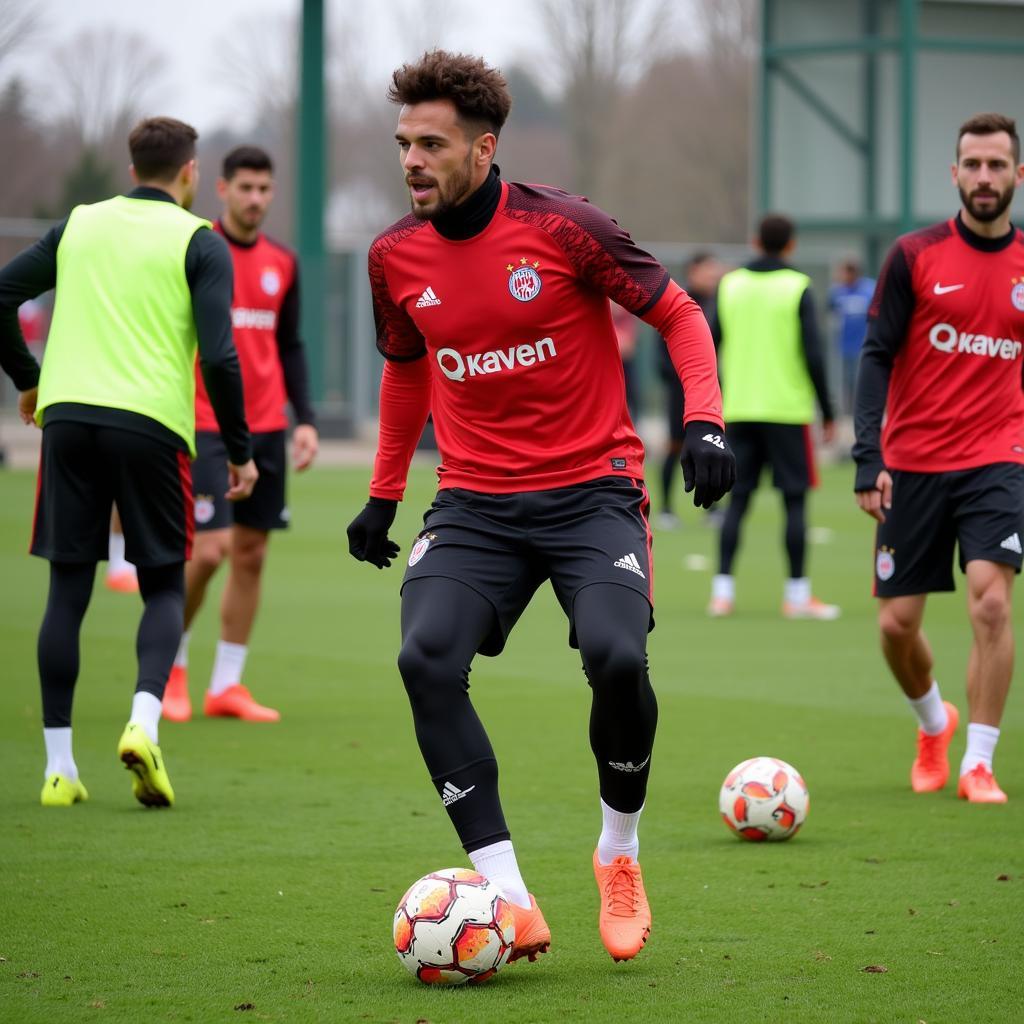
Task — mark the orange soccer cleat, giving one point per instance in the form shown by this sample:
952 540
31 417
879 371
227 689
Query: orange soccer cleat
930 770
236 702
533 936
625 918
124 582
979 786
721 607
177 707
811 609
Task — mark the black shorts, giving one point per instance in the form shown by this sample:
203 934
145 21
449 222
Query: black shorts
981 511
786 447
505 545
84 468
265 509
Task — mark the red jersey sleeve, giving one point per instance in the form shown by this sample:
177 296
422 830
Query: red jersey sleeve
681 322
404 407
398 338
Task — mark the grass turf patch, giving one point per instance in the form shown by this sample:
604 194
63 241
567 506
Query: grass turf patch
267 893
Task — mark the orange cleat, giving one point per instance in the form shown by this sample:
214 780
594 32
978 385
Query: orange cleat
124 582
236 702
721 607
533 936
177 706
979 786
813 609
625 918
930 770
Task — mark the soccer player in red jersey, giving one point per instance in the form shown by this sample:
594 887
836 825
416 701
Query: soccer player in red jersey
492 312
943 362
265 316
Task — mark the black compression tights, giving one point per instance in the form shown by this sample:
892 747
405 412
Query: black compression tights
795 535
443 624
163 591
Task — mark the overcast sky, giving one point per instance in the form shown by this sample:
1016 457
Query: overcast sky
191 34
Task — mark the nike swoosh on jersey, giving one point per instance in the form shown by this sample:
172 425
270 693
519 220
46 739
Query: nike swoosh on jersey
941 289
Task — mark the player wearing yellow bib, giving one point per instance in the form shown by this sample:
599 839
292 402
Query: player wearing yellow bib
140 283
772 370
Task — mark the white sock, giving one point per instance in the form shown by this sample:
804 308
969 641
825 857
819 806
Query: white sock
981 745
228 664
798 590
723 588
59 759
931 712
181 658
146 712
618 834
116 562
497 863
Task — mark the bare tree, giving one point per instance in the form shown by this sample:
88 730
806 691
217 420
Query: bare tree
601 45
19 21
102 81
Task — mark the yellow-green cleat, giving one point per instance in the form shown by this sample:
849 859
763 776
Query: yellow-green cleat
142 757
60 791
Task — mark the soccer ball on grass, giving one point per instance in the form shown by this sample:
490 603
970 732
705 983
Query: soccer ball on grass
453 926
764 798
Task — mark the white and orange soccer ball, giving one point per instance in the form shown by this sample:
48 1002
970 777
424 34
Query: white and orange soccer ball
453 926
764 798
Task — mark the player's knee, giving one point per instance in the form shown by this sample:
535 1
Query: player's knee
209 552
249 558
897 624
990 610
613 662
429 676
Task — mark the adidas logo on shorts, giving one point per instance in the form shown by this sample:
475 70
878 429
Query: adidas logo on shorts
630 562
1012 543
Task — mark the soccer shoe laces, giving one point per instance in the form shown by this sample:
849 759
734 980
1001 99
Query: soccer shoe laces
621 894
931 751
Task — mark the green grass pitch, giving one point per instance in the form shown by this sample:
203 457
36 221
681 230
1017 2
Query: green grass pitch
267 892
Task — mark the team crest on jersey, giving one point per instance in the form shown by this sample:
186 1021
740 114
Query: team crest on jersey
204 508
524 282
1017 293
419 549
270 282
885 563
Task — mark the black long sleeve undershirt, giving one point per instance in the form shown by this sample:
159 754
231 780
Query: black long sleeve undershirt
209 274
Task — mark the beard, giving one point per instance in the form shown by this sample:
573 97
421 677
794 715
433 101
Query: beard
449 195
985 214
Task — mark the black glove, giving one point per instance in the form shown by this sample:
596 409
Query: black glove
709 467
368 533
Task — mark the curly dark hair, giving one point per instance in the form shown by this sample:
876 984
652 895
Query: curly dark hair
480 93
989 124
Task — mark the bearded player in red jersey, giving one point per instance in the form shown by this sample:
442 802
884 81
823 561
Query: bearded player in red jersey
943 363
491 305
265 315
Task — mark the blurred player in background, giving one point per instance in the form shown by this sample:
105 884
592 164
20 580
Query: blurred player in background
703 272
139 282
121 575
773 369
942 364
491 305
849 298
265 315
